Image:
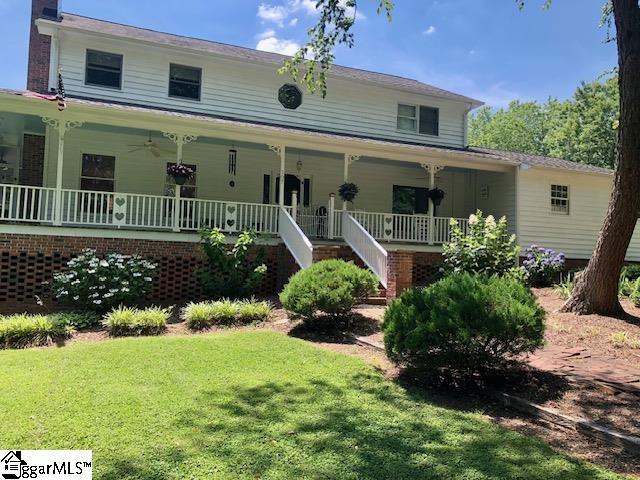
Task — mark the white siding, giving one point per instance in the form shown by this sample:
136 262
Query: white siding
574 234
245 91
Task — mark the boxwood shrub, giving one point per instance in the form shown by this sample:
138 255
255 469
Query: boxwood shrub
330 286
464 323
19 331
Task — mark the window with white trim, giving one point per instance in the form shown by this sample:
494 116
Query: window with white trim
419 119
184 81
103 69
560 199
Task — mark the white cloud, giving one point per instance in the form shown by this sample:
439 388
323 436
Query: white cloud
293 22
277 45
266 34
272 13
430 31
308 6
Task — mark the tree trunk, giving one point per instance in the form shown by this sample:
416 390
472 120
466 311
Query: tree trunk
596 289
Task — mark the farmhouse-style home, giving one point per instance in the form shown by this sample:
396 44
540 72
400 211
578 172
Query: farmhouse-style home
265 155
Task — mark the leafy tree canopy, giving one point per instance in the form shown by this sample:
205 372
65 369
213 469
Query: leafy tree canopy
583 128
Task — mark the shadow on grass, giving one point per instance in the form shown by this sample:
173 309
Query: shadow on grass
330 330
359 427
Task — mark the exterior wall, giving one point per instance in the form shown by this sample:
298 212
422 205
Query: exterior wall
249 91
141 172
28 260
32 168
39 49
498 197
574 234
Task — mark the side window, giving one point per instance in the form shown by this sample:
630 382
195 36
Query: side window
98 172
188 189
560 199
185 82
429 119
104 69
407 117
418 119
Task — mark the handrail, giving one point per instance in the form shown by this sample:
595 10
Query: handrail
365 246
295 239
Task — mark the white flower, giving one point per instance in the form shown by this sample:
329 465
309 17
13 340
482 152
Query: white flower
91 271
76 297
147 279
490 221
473 219
137 274
97 302
125 289
104 263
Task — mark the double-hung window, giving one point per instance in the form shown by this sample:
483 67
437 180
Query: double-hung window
104 69
98 172
560 199
185 82
419 119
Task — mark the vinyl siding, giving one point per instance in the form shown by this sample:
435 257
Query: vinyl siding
574 234
249 92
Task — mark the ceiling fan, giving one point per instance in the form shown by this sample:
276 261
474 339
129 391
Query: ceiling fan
150 146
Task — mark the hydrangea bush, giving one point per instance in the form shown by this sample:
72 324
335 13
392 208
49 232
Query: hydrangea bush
486 249
541 266
98 284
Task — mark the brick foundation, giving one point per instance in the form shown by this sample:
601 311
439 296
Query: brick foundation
26 261
31 170
399 272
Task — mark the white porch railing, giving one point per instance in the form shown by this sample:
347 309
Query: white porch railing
295 239
365 246
21 203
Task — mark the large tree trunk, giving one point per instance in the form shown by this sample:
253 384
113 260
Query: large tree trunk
596 289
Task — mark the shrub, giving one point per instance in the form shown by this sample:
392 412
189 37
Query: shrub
330 286
203 315
486 249
17 331
565 286
634 296
631 272
98 284
77 320
542 266
463 322
625 287
231 273
123 321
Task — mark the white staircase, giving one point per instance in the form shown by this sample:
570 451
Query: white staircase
295 239
365 246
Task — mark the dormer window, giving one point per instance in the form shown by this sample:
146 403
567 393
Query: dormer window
104 69
418 119
184 82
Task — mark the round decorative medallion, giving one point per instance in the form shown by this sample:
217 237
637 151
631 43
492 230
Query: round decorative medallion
290 96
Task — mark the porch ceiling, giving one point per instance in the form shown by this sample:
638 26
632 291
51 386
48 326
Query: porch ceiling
138 117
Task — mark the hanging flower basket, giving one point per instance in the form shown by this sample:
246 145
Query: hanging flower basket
436 195
348 191
180 173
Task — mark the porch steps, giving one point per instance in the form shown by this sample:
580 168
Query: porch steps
376 301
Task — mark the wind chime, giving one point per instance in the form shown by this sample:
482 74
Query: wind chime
233 159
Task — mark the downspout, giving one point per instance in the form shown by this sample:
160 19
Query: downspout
54 60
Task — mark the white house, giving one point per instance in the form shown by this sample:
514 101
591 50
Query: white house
266 156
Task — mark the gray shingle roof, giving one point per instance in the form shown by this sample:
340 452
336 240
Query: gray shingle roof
79 22
542 161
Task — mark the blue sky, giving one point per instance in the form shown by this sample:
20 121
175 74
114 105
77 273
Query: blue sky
486 49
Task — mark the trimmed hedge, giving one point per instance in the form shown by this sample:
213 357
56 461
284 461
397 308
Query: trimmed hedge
330 286
463 322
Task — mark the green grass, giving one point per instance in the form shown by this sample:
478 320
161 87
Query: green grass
246 405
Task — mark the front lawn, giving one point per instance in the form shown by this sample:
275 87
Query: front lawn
250 405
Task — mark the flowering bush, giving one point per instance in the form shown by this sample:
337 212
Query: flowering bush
485 249
542 265
98 284
180 170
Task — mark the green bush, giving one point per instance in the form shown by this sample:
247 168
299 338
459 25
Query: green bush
77 320
18 331
231 273
463 322
124 321
98 284
631 272
634 296
486 249
203 315
565 287
330 286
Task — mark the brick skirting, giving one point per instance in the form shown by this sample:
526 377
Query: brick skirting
26 261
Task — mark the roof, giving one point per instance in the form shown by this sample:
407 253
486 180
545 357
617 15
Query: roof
78 22
542 161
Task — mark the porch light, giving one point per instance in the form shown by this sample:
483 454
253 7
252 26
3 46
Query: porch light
233 158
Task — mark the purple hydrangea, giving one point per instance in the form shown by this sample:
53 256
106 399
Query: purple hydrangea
542 265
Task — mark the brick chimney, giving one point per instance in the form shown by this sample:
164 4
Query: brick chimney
40 45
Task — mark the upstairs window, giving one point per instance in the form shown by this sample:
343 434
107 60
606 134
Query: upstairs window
418 119
104 69
560 199
184 82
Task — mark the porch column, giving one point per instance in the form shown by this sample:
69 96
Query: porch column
294 205
62 126
180 139
349 158
432 169
280 150
331 228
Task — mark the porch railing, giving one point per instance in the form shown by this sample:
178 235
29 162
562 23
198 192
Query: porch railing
295 239
365 246
21 203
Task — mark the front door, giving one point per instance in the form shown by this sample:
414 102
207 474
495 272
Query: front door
291 184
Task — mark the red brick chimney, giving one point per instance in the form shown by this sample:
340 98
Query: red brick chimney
40 45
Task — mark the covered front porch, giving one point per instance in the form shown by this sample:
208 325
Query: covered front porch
100 170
